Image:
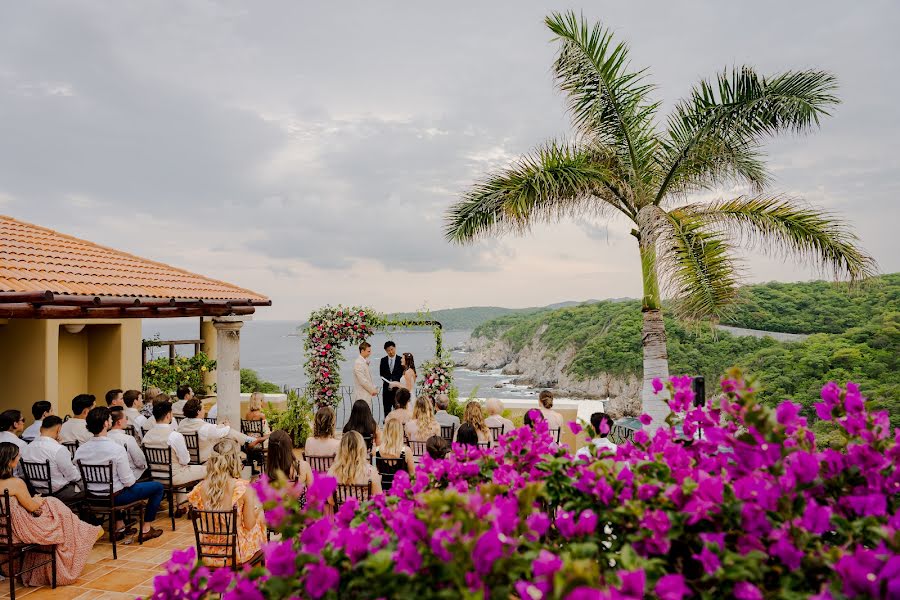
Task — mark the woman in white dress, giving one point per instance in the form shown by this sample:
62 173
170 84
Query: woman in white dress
408 380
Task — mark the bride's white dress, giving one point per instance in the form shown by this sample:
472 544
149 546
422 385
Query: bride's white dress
409 382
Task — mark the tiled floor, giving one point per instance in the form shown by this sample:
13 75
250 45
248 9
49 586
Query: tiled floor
124 579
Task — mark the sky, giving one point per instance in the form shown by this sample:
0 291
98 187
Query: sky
308 151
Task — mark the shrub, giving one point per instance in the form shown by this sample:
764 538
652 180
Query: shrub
752 508
183 371
250 382
296 420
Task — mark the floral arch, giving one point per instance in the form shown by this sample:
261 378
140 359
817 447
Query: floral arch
330 329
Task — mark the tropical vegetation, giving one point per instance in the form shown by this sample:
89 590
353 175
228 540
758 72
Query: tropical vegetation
250 382
168 374
751 509
623 162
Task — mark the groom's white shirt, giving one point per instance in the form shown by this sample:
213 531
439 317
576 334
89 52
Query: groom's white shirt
363 388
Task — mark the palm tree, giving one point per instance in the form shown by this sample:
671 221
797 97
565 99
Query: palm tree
623 161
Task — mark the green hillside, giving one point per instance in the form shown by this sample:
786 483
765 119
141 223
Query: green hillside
607 338
466 318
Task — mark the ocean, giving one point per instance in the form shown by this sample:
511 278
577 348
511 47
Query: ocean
274 349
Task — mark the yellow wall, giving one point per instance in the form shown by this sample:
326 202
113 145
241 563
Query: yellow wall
40 360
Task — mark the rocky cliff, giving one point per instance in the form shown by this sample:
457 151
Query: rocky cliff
535 365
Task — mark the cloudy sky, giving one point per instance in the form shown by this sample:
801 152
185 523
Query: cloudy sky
308 151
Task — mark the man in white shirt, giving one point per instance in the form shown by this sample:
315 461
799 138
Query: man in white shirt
363 388
150 422
136 458
39 410
134 402
495 415
11 425
64 476
444 419
161 436
115 398
75 429
207 433
100 450
602 424
185 394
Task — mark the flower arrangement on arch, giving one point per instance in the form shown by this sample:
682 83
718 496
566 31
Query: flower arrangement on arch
751 509
437 377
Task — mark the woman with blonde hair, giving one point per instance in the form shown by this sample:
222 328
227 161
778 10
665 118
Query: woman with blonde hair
255 413
474 416
223 489
322 442
393 447
351 465
423 425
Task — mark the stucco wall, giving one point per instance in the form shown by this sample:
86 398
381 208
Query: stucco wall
22 364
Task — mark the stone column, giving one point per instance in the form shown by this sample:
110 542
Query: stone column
228 368
208 334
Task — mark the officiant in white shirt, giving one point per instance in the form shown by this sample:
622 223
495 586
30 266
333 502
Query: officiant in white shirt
363 387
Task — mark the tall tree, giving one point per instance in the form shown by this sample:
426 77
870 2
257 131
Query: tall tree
623 159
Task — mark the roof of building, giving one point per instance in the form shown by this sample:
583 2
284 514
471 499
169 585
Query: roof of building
37 260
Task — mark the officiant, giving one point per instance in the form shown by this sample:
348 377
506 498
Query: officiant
391 370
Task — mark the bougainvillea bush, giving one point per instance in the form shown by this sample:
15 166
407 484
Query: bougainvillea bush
731 500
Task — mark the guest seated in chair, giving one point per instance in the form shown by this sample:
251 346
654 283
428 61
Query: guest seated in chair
185 394
280 459
163 435
445 419
393 446
48 522
75 429
39 410
474 416
351 465
208 434
437 447
554 419
363 422
12 423
223 488
136 459
64 475
495 417
150 421
100 450
323 442
255 413
401 410
422 426
467 435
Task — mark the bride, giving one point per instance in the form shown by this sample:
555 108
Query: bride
408 380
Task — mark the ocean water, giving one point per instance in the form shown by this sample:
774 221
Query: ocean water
274 349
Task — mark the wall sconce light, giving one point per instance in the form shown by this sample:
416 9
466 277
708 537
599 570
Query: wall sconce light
74 328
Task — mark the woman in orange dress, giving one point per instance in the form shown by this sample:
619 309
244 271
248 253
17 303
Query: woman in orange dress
222 489
46 521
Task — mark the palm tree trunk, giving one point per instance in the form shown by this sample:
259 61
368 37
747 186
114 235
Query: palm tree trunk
653 335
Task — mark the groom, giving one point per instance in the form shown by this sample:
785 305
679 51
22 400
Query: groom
392 370
363 388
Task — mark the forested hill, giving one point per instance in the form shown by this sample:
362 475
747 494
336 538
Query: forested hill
606 337
815 307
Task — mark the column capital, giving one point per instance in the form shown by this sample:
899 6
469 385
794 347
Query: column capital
228 323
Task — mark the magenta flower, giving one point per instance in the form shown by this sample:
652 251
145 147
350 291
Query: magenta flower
657 385
816 518
747 591
320 579
645 419
320 491
546 564
244 590
632 583
281 560
407 557
488 549
575 427
538 522
709 560
671 587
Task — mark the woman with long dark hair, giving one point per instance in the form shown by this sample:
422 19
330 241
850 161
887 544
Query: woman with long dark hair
46 521
363 422
408 381
280 459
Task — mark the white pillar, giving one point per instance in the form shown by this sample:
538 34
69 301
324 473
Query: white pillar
228 368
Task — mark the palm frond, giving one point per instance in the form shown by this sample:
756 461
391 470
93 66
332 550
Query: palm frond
556 181
608 101
698 267
714 134
780 223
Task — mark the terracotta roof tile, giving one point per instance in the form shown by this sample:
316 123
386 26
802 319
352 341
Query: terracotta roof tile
34 258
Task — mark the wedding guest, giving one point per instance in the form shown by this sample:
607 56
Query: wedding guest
223 488
12 423
161 436
45 520
351 465
100 450
151 393
136 459
322 442
602 424
423 425
208 434
39 410
75 429
134 402
394 447
363 422
495 415
553 418
64 476
255 413
467 435
444 419
280 459
150 422
401 410
437 447
114 398
184 394
474 416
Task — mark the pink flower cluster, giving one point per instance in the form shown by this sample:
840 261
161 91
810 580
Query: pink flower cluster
733 500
